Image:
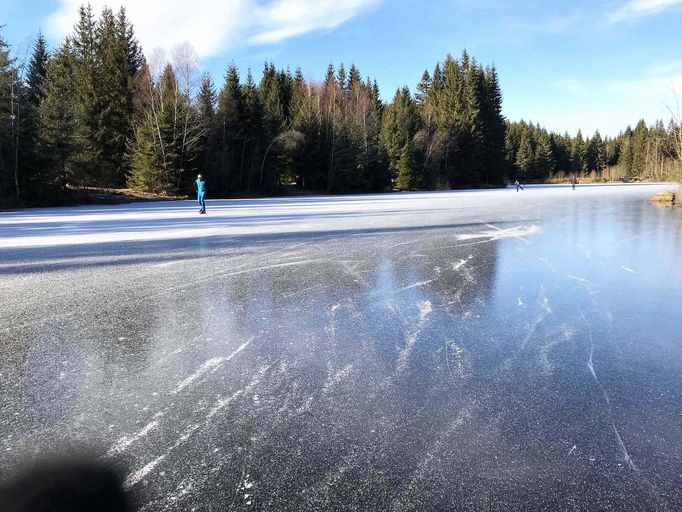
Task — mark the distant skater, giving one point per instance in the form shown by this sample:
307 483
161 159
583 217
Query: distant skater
574 182
518 185
200 187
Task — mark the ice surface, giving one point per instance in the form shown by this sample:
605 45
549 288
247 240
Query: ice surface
464 350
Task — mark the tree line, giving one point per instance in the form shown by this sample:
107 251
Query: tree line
646 152
97 112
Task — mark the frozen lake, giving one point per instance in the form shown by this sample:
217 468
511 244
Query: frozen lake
476 350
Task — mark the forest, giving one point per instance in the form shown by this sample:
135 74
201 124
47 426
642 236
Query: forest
97 112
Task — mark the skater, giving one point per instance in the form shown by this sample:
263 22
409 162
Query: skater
518 185
200 187
574 182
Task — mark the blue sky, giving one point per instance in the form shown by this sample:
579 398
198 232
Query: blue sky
566 65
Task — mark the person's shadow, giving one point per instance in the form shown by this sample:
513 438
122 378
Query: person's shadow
66 485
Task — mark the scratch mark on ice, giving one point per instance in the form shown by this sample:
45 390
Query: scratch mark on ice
590 365
209 366
515 232
419 284
425 309
333 380
136 476
124 442
547 263
223 402
627 269
461 262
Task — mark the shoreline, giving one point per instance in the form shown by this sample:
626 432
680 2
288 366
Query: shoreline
95 196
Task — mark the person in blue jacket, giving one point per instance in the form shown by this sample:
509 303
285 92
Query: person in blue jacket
200 187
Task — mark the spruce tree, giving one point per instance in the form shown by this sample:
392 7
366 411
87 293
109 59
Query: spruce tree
113 99
544 159
524 157
249 172
87 151
37 70
206 104
400 125
495 168
58 123
206 99
231 135
35 169
8 96
423 89
578 160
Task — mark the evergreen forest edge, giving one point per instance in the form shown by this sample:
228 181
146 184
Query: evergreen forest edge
97 113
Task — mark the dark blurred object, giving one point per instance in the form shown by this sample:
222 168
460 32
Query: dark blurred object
65 486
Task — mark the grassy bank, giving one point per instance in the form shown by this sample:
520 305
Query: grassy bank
665 171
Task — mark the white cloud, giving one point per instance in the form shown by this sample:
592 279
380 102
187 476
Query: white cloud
214 26
639 8
283 19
